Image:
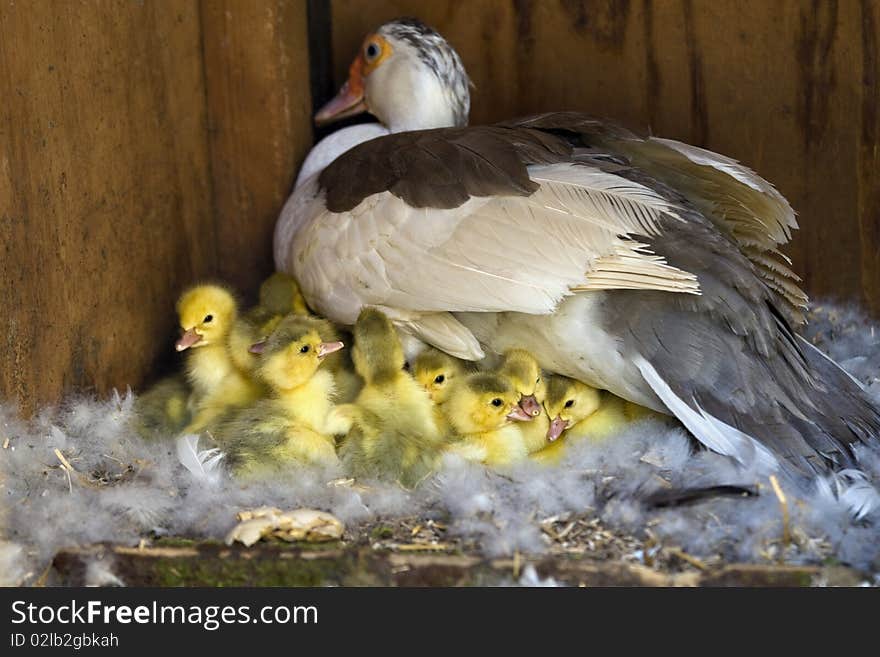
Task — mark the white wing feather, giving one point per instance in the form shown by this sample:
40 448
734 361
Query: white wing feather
709 430
204 465
490 254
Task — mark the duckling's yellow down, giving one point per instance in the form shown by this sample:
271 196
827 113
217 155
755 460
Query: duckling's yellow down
394 435
480 410
279 296
437 372
295 425
577 412
163 409
207 314
524 373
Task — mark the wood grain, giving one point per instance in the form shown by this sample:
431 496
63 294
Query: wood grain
143 146
104 190
788 87
259 111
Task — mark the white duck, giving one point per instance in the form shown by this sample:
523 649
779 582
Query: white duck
646 267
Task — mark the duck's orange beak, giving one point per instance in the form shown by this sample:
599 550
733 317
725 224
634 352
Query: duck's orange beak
187 340
350 99
557 426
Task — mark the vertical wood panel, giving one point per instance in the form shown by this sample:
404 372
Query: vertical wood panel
259 109
104 190
788 87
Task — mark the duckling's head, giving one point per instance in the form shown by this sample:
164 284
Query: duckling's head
377 354
483 402
436 371
523 370
292 353
280 295
206 314
568 402
407 76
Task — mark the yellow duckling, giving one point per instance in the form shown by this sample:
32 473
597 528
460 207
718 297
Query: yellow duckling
579 411
523 371
295 424
437 371
394 435
163 410
348 383
279 296
207 314
481 410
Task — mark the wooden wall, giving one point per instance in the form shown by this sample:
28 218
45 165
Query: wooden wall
143 146
789 87
146 145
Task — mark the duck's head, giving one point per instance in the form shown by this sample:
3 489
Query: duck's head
206 314
377 353
292 353
280 295
523 370
407 76
483 402
568 402
436 372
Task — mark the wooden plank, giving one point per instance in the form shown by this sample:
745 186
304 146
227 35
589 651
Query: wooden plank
259 109
270 564
788 87
104 190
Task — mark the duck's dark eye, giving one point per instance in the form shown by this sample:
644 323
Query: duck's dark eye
304 349
371 51
569 403
439 378
208 318
497 402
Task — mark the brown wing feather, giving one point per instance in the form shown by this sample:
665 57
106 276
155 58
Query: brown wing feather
441 168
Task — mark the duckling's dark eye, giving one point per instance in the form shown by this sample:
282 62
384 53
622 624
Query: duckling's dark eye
371 51
304 349
497 402
569 403
208 318
439 378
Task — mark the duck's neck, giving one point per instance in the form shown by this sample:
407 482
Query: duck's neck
310 402
534 432
208 366
418 101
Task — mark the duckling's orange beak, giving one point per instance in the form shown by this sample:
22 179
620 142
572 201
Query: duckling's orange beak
257 347
556 428
187 340
530 405
518 414
350 99
327 348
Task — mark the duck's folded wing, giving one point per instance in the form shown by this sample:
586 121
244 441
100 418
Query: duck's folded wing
579 230
476 220
742 205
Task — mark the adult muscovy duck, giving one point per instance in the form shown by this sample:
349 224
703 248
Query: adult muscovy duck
643 266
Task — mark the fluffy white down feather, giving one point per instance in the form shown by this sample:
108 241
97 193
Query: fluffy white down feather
149 493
